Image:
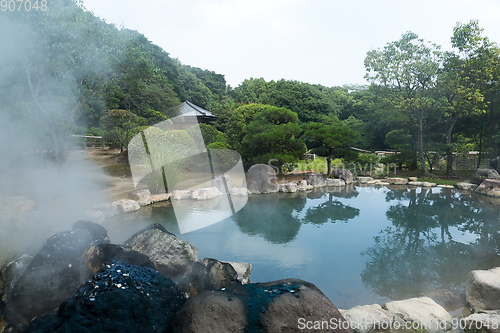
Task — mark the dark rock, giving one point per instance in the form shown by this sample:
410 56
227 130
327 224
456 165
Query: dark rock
264 307
101 254
171 255
482 174
13 270
343 174
209 274
122 298
261 178
56 271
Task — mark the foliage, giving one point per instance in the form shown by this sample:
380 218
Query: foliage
272 135
403 73
330 134
120 126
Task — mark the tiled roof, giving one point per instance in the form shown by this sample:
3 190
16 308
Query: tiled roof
189 109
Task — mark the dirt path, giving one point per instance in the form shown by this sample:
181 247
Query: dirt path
112 172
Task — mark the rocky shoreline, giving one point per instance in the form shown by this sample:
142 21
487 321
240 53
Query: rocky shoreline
206 293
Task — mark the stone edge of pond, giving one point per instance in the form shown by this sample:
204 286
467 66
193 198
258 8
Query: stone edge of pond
420 312
139 198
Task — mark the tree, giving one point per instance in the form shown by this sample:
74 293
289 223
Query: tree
466 79
121 126
404 72
272 135
330 134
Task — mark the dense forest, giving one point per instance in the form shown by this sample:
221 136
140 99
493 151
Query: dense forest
65 71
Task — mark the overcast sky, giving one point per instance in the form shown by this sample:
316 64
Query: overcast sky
315 41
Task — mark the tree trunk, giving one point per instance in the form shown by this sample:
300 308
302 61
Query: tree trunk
450 123
420 136
329 161
480 146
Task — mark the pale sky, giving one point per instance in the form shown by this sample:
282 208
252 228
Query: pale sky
315 41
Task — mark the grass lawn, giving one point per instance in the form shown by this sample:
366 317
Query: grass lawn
439 176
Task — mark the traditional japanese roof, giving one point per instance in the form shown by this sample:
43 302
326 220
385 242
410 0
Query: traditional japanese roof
188 109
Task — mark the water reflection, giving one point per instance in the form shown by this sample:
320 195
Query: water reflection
278 217
392 243
330 211
436 238
271 216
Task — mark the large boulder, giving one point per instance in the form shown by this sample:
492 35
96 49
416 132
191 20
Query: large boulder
280 306
57 270
315 179
343 174
482 289
261 178
122 298
489 187
209 274
171 255
421 312
482 174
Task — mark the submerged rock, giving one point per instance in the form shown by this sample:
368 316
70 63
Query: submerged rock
278 306
57 270
171 255
261 178
122 298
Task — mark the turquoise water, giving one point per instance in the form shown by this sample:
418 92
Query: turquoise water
360 245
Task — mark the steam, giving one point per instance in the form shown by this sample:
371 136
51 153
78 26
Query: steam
37 197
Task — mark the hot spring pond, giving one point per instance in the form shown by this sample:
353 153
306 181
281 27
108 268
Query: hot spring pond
359 245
